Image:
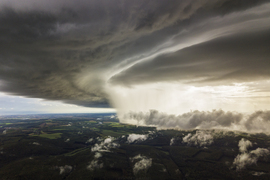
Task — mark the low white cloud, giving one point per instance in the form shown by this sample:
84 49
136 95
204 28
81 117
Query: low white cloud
89 140
143 163
260 152
136 137
105 145
67 140
246 158
258 121
98 155
201 138
5 131
258 173
172 141
36 143
95 163
65 169
244 145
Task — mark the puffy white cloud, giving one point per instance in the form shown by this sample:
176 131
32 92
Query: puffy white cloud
36 143
65 169
89 140
260 152
246 158
136 137
105 145
95 163
142 164
244 145
242 160
201 138
172 141
98 155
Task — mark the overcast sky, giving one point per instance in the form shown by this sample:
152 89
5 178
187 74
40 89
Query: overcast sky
118 55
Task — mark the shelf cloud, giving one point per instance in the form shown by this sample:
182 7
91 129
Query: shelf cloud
95 53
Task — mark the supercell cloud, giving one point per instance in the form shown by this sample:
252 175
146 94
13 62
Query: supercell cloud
172 56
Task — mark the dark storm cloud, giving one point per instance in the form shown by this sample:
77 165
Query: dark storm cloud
60 50
229 49
240 58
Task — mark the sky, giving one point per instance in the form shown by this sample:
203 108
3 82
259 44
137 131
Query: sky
173 57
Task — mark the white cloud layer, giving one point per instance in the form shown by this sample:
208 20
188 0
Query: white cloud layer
258 121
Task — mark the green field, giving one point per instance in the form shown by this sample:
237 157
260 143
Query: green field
49 136
113 133
34 150
117 125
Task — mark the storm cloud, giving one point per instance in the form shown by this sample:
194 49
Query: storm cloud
129 54
68 50
222 50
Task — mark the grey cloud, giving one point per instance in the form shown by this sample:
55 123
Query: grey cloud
217 119
61 50
237 58
252 121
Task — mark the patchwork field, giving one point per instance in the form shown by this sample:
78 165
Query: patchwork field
90 148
